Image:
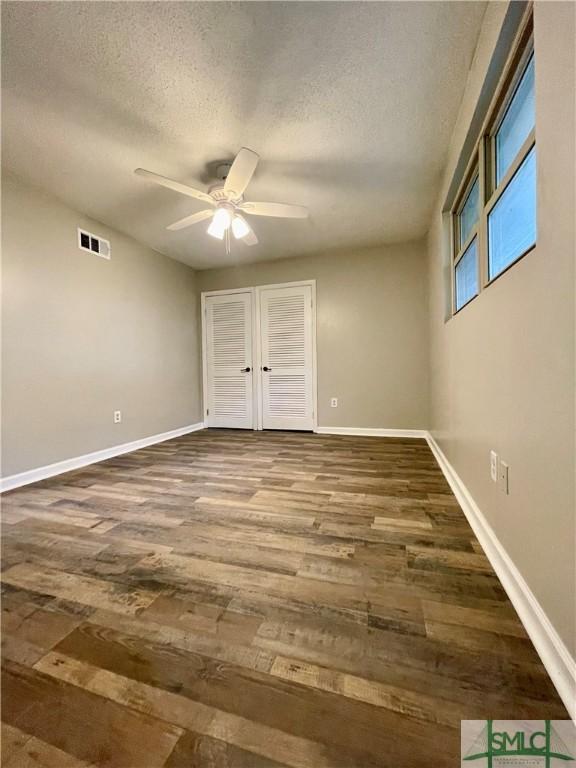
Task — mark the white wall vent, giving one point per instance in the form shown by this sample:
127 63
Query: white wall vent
94 244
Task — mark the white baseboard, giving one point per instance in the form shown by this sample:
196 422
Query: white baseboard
367 432
58 468
554 655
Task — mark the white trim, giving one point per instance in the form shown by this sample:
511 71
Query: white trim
226 291
59 467
292 284
554 655
204 357
314 355
257 319
256 372
367 432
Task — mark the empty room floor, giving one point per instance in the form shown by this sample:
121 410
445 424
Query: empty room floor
254 599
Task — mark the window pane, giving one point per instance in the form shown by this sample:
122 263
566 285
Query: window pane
512 221
467 275
469 213
517 123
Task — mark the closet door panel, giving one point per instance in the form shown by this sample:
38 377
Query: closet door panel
229 360
286 344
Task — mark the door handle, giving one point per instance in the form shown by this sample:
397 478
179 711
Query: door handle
265 368
245 370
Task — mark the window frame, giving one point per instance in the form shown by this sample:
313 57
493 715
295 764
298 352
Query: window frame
458 251
483 164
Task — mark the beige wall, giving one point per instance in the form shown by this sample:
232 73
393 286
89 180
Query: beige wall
502 371
83 336
371 330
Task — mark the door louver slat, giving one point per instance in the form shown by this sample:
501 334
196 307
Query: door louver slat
287 351
229 350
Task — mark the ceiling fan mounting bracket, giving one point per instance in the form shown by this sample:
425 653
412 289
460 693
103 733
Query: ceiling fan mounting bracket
223 170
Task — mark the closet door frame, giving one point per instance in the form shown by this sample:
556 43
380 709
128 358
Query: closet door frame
257 347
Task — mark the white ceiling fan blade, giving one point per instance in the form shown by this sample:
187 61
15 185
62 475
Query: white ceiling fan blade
241 172
193 219
184 189
283 210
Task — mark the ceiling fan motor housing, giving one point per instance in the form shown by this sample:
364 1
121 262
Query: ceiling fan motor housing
220 195
223 170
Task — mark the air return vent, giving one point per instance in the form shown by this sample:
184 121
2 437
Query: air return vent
94 244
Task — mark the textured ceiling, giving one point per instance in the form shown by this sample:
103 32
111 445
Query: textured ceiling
349 104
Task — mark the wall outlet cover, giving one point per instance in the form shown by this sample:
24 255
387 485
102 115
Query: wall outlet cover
504 477
334 402
117 417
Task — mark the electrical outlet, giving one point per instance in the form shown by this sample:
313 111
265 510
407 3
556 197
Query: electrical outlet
334 402
503 478
117 417
494 466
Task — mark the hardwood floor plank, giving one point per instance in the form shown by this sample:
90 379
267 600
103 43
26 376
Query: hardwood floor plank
237 599
247 693
390 697
11 742
93 592
447 561
493 619
187 639
236 534
194 750
37 631
29 752
178 570
82 724
246 735
57 516
478 640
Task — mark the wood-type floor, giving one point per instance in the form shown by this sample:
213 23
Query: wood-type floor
254 600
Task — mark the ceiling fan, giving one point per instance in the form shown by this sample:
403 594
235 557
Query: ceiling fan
226 199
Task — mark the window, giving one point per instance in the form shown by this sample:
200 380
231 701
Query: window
517 122
466 258
494 216
469 213
512 220
467 275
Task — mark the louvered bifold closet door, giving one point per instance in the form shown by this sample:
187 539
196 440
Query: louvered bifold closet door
228 356
286 343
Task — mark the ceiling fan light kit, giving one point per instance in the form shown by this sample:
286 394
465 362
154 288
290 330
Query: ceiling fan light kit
227 198
240 227
220 222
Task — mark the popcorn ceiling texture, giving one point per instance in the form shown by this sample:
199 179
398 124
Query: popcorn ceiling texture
350 105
